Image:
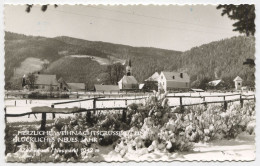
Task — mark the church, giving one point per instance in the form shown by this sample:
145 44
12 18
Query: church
128 82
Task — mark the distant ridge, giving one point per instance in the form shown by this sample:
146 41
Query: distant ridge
220 59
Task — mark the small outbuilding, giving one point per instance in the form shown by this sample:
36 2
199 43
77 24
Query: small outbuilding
238 83
76 87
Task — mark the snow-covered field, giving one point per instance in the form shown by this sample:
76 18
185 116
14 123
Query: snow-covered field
23 105
240 149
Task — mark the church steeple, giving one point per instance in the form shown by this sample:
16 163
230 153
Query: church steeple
129 68
129 63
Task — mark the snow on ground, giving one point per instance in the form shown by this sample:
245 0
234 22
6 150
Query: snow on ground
29 65
242 148
101 61
22 106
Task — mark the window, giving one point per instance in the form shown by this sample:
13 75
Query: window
238 83
161 77
186 84
173 77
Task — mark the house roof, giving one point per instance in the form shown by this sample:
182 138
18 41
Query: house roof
106 87
238 79
128 80
197 90
177 77
154 77
215 82
76 86
141 86
45 79
61 80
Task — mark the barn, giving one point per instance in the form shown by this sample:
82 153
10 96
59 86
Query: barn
174 81
46 82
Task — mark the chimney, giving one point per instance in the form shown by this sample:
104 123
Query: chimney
181 75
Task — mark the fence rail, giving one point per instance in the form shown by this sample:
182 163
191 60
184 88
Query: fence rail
54 110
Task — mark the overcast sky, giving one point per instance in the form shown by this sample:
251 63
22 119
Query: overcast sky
169 27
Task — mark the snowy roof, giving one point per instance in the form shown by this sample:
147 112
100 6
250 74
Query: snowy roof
128 80
76 86
106 87
154 77
45 79
238 79
176 76
215 82
197 90
141 86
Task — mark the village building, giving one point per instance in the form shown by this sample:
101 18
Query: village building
173 81
216 84
106 88
76 87
128 82
63 85
238 83
46 82
151 83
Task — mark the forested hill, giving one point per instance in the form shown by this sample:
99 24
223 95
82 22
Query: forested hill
217 60
18 48
220 60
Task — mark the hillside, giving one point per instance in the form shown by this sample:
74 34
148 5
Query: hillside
78 60
221 60
20 49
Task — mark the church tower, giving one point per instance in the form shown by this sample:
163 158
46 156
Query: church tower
129 68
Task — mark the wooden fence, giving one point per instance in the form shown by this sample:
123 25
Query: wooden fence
54 110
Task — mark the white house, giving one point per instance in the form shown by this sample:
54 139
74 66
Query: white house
169 81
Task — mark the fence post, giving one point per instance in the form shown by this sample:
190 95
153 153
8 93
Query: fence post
26 101
225 105
94 105
204 98
53 114
182 108
241 101
126 102
124 115
43 122
88 115
15 103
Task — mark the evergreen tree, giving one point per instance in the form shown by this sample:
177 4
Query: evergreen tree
244 14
